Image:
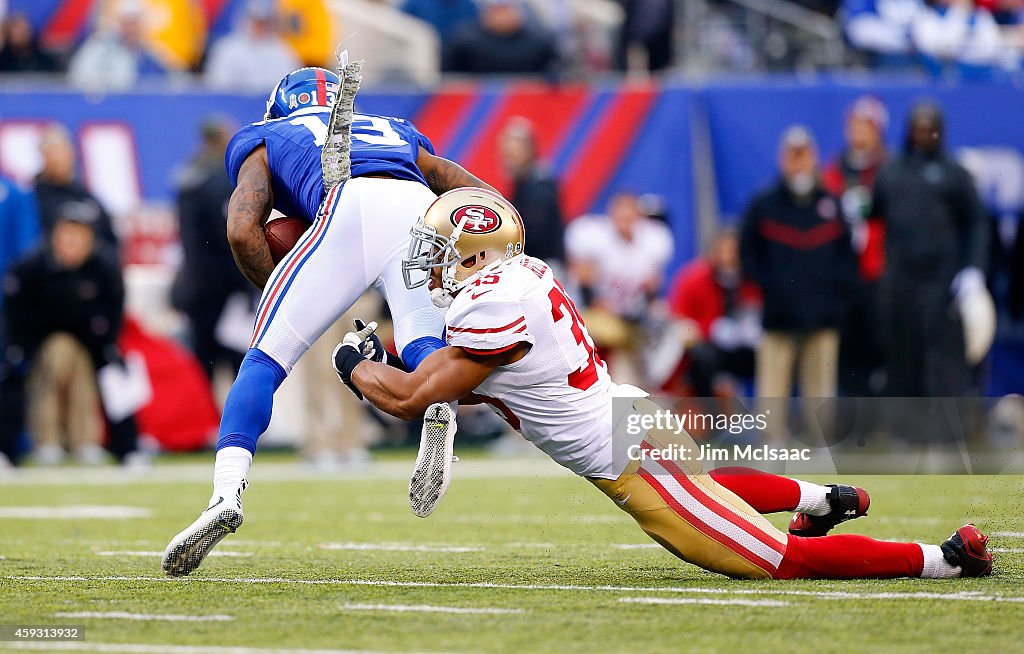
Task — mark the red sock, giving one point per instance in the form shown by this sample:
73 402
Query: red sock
764 492
847 556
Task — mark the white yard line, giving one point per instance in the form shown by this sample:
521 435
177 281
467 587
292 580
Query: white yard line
425 608
241 542
192 473
701 600
1007 550
156 553
143 648
1007 534
961 596
636 546
74 512
398 547
165 617
534 545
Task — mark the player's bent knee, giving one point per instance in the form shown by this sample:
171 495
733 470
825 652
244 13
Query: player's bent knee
282 344
417 324
683 532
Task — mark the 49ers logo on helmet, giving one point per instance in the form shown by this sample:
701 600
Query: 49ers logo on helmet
476 219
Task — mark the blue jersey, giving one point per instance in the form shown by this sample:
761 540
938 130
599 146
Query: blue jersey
381 145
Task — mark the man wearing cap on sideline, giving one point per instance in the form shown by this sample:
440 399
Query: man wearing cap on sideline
64 305
253 56
795 244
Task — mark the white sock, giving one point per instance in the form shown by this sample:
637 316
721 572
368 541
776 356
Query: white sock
935 565
230 471
813 498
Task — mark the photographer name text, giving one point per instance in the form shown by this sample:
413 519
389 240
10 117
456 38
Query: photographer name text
711 453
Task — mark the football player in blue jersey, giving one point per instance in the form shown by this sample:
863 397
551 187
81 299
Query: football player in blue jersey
360 233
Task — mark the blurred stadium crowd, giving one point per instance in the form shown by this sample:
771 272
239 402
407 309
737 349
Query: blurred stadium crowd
865 272
249 44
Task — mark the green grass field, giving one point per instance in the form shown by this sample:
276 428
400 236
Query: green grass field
542 561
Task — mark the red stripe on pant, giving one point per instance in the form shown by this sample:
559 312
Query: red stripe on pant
847 556
281 281
717 506
701 526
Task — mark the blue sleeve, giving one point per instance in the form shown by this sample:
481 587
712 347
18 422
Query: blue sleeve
241 145
855 7
416 351
422 140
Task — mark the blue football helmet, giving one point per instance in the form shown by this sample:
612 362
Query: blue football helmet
305 87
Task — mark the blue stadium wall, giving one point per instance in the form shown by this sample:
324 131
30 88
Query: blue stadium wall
599 139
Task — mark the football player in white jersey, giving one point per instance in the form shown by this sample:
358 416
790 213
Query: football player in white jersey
517 342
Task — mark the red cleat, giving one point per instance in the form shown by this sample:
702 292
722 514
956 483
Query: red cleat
847 502
968 548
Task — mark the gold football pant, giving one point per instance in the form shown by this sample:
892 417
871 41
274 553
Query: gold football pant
693 516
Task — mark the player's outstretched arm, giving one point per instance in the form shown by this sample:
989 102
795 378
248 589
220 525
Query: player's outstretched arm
446 375
443 175
248 211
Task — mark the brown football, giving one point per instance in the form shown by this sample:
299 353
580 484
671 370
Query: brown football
283 233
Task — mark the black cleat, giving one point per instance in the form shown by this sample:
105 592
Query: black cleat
968 549
847 502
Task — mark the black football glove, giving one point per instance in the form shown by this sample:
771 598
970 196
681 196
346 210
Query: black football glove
346 358
349 353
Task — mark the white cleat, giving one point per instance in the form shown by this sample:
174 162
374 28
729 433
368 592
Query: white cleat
188 549
433 471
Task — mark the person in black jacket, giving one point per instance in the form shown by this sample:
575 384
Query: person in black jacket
21 52
57 183
936 244
534 192
208 276
64 303
501 41
650 26
795 244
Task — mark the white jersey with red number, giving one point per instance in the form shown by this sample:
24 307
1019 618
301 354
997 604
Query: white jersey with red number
559 394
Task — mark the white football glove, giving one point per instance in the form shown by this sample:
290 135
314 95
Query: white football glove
967 282
367 343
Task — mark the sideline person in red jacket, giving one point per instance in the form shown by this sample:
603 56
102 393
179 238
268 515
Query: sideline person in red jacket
850 177
725 309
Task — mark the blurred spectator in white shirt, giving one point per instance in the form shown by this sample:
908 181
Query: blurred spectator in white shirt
253 57
881 29
115 58
957 35
619 260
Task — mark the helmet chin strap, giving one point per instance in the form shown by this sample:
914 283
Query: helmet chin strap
441 298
